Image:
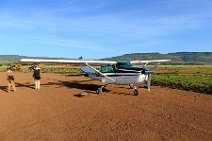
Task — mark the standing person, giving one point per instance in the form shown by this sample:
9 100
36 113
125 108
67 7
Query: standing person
10 79
37 77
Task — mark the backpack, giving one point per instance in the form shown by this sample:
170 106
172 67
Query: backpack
37 74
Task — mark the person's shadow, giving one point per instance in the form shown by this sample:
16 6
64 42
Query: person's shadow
28 85
4 88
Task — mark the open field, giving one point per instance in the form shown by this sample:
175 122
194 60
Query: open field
197 78
195 70
54 113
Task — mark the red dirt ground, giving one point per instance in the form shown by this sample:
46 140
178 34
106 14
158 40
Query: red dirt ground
54 113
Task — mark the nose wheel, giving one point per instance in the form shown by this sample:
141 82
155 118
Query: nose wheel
99 91
135 92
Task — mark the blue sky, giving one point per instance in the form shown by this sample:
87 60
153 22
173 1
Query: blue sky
98 29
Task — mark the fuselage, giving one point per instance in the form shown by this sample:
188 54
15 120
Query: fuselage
120 73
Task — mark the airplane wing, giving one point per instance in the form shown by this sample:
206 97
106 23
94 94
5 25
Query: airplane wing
73 62
81 62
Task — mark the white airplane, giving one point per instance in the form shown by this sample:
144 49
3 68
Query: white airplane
110 72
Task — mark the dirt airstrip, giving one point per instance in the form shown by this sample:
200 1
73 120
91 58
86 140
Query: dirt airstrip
56 113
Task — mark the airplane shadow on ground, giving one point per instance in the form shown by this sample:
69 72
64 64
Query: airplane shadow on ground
86 87
74 84
91 88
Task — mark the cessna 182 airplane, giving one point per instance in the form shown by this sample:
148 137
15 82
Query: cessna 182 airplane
110 72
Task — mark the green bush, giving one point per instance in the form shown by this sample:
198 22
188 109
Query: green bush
185 82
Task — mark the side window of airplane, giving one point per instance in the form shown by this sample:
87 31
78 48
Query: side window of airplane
124 64
107 69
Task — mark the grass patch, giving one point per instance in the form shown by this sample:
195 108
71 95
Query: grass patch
195 78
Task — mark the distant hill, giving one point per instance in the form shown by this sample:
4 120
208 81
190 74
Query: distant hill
176 58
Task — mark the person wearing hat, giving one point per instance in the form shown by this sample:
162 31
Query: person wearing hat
10 79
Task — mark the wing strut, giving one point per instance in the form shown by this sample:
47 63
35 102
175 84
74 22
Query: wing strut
156 65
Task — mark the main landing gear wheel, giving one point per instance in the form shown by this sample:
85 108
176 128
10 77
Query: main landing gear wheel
99 91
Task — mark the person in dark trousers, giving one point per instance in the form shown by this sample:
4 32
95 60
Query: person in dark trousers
37 77
10 79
